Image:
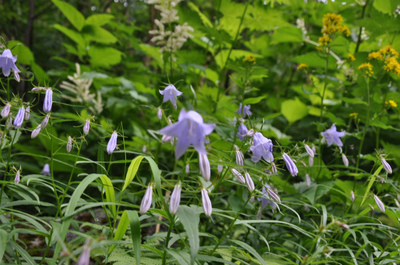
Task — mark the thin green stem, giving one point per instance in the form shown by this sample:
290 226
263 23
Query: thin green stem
366 125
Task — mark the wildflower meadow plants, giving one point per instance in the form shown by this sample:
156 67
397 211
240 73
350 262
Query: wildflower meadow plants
279 143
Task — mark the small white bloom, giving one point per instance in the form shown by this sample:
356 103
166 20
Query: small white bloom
352 196
308 180
345 160
220 167
187 169
159 113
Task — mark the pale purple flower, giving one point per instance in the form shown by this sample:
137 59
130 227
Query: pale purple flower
46 170
239 156
246 110
19 118
175 199
112 143
27 113
273 195
190 130
207 206
204 166
308 180
17 177
386 165
69 144
310 161
86 127
38 88
147 199
250 133
84 258
6 110
144 149
220 167
187 169
159 113
45 121
166 139
380 204
242 132
261 148
352 196
274 169
345 160
249 182
309 150
291 166
265 198
333 136
170 93
238 176
48 100
36 131
7 62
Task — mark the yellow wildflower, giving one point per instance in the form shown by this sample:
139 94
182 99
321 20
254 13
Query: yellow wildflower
354 115
324 40
250 59
351 57
375 55
392 65
302 66
392 103
331 23
367 68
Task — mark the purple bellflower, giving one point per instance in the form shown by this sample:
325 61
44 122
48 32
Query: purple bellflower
386 165
147 199
112 143
246 110
86 127
19 118
333 136
207 206
190 129
175 199
7 62
170 93
48 100
261 148
27 113
46 170
242 132
291 166
266 198
6 110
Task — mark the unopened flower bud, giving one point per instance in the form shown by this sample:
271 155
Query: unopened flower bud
238 176
166 139
290 165
314 150
250 133
310 161
112 143
6 110
304 164
9 122
37 89
274 195
274 170
86 127
345 226
84 258
308 180
175 199
147 199
380 204
16 77
309 150
45 121
48 100
69 144
207 206
204 166
345 160
36 131
220 167
27 113
386 165
352 196
46 170
19 118
239 156
17 177
397 203
252 199
249 182
234 121
187 168
159 113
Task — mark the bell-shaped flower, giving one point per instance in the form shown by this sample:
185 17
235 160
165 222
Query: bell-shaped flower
246 110
20 117
147 199
86 127
7 62
332 136
6 110
170 93
190 130
242 132
175 199
112 143
207 206
48 100
46 170
204 166
291 166
36 131
386 165
261 148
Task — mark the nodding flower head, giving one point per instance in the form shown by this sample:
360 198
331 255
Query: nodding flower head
112 143
6 110
261 148
36 131
170 93
204 166
246 110
48 100
175 199
207 206
46 170
291 166
86 127
19 118
7 62
242 132
147 199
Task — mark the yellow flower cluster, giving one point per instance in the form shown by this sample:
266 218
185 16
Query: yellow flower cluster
302 66
332 23
250 59
351 57
389 56
391 103
354 115
367 68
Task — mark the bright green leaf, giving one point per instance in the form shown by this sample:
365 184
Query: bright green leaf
132 170
23 53
71 13
104 56
294 110
99 19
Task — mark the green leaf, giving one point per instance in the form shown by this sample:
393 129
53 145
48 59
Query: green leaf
203 18
71 13
293 110
23 53
182 257
132 170
190 219
313 60
99 19
72 34
317 191
253 100
104 56
3 243
221 57
287 34
386 6
370 183
250 250
97 34
39 73
110 194
135 233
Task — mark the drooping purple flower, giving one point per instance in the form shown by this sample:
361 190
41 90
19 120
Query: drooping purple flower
386 165
291 166
27 113
6 110
147 199
170 93
19 118
17 176
204 166
207 206
175 199
265 198
112 143
46 170
36 131
86 127
69 144
190 130
261 148
7 62
242 132
380 204
48 100
246 110
45 121
249 182
345 160
333 136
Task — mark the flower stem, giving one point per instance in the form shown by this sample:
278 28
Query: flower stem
366 125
